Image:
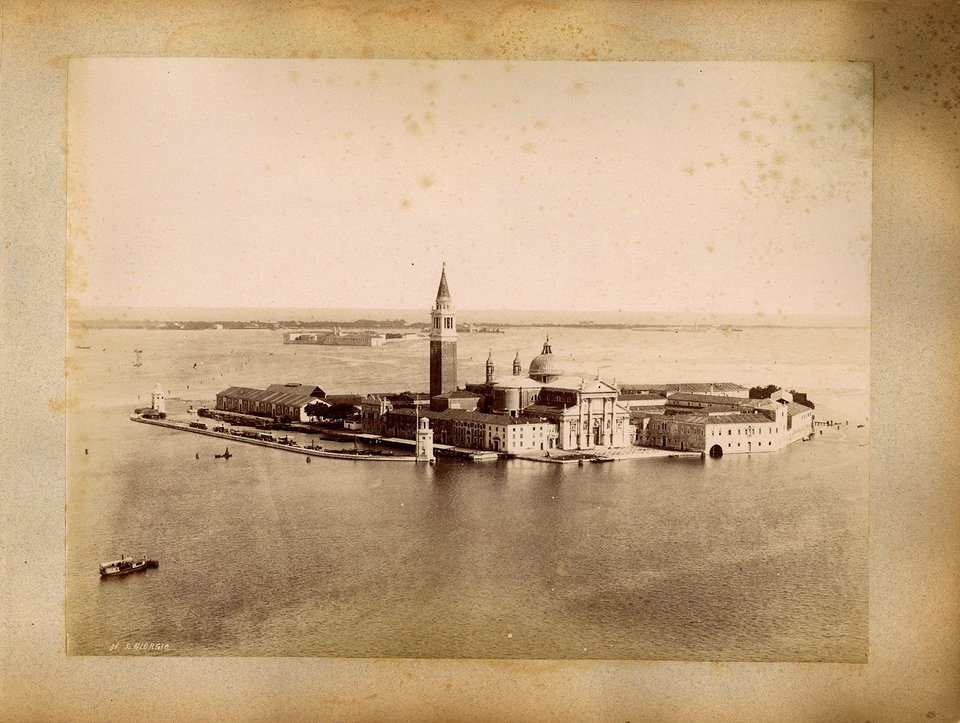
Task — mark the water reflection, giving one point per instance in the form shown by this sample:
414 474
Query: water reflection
758 557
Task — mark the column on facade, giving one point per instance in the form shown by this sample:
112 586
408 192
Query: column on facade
589 440
579 422
607 435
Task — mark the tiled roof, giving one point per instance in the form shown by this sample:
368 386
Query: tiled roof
516 381
458 394
731 418
290 400
240 392
265 395
546 408
706 388
757 403
689 387
296 388
410 397
704 398
463 415
461 394
579 384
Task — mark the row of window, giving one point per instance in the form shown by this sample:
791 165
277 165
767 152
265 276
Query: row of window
748 431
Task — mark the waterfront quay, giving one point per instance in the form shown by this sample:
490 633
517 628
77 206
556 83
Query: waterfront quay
307 451
439 449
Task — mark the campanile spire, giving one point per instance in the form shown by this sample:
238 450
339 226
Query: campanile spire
443 291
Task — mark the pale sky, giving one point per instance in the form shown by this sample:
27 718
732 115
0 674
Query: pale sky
702 187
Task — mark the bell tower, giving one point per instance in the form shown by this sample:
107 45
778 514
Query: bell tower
443 341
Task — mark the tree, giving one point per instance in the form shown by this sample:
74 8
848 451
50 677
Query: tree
340 411
767 391
763 392
317 410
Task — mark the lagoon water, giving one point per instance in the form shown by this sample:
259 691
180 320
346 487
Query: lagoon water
751 557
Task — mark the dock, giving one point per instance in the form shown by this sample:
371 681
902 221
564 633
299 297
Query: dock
440 450
611 454
556 456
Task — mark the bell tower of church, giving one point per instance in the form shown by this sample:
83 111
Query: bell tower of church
443 341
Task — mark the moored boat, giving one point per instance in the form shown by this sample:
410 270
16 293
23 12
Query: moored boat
126 565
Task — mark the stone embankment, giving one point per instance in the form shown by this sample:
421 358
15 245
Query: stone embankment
611 454
556 456
181 427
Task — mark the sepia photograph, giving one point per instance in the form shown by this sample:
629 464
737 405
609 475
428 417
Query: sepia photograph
468 359
479 361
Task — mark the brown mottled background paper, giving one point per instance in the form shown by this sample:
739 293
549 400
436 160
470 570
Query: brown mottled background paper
914 668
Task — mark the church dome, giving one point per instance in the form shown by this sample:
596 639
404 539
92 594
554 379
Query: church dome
545 367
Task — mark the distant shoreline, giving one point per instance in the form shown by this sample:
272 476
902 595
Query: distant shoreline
151 325
485 326
400 317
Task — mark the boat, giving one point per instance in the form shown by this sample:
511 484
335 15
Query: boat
126 565
226 454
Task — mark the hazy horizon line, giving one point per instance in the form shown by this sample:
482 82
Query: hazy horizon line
501 315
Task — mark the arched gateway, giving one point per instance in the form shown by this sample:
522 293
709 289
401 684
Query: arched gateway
716 451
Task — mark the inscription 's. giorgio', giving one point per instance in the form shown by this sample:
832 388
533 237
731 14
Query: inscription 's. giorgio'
141 647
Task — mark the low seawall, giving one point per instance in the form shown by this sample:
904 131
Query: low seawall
306 451
609 454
